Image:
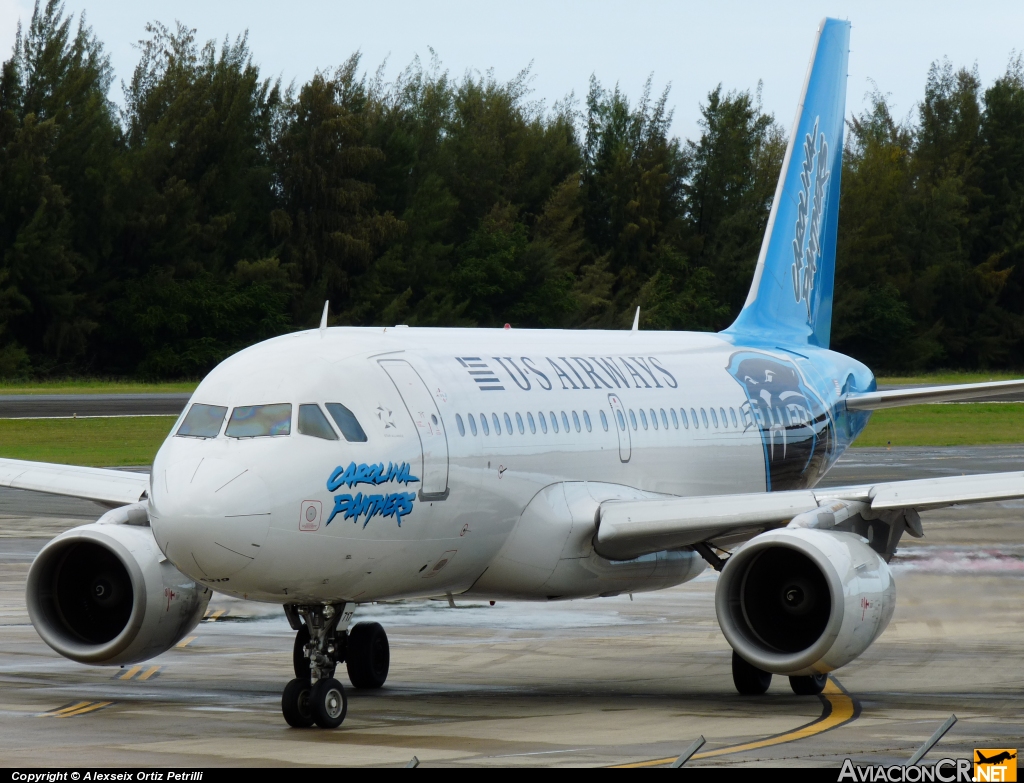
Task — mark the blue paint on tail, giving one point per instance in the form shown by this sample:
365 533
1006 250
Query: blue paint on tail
790 301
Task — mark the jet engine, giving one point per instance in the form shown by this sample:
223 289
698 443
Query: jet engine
804 601
104 594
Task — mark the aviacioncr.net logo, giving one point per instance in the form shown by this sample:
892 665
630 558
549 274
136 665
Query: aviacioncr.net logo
943 771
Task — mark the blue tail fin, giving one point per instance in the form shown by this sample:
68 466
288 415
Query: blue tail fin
790 300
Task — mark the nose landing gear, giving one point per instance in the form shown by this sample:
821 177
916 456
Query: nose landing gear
314 696
322 641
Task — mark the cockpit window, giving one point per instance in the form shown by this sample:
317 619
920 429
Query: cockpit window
313 422
257 421
347 422
202 421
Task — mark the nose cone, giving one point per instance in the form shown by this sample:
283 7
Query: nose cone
210 516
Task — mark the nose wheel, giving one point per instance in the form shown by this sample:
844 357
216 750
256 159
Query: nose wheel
314 696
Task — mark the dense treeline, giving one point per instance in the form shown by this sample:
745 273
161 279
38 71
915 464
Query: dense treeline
216 208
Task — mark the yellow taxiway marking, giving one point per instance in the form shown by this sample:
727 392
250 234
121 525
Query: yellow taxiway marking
130 673
68 708
150 672
186 642
839 709
90 707
217 615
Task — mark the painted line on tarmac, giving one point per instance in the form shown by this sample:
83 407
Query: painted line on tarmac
185 642
838 709
78 708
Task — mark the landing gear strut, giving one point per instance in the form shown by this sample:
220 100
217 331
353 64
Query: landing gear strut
811 685
314 696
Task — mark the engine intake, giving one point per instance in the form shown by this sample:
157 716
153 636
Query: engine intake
104 594
803 601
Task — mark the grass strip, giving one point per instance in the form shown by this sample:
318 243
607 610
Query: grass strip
106 442
96 386
974 424
949 377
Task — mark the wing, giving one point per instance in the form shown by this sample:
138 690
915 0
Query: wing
110 487
895 398
630 528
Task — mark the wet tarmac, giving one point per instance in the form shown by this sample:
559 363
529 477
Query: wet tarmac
604 682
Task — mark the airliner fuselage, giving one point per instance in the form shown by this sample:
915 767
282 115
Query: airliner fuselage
461 431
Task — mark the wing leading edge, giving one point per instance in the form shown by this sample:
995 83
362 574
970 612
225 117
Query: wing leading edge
631 528
110 487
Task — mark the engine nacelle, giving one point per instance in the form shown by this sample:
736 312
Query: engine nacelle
804 601
104 594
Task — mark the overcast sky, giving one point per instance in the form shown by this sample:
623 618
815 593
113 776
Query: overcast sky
692 45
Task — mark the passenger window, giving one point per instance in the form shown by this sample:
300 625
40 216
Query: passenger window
686 421
258 421
497 424
696 423
554 422
675 420
576 421
632 419
531 422
472 423
519 423
202 421
313 422
725 419
704 417
622 421
347 422
643 418
565 423
714 418
586 420
483 424
664 419
654 419
604 421
458 423
543 422
508 424
732 413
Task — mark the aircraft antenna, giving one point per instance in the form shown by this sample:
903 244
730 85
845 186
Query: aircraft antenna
323 318
636 320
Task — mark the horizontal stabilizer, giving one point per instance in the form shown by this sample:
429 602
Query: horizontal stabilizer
895 398
631 528
110 487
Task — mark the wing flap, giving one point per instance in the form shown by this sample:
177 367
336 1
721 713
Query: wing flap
895 398
104 485
630 528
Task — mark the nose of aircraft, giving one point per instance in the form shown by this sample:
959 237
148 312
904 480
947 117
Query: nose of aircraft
210 516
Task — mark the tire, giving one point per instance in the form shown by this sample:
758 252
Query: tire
329 703
295 704
748 679
810 685
299 660
367 655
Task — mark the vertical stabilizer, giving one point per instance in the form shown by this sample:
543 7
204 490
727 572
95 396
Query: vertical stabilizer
790 300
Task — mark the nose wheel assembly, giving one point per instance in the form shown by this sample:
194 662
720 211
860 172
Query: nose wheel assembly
322 641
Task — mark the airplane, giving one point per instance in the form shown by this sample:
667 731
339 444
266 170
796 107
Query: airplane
996 759
335 467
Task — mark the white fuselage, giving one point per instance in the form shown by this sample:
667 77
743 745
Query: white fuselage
443 511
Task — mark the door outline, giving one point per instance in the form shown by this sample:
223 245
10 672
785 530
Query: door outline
625 441
432 410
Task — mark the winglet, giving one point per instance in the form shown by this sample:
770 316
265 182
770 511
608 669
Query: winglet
636 320
323 318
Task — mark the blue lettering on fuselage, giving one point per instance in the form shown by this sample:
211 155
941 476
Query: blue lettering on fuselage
393 504
570 372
